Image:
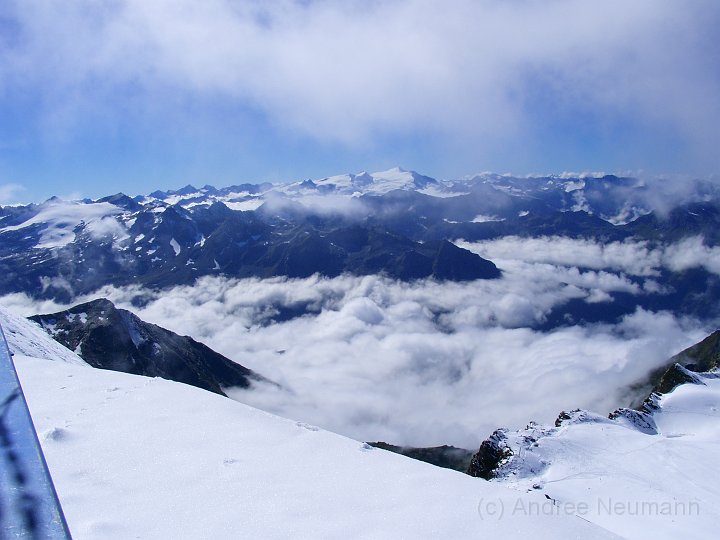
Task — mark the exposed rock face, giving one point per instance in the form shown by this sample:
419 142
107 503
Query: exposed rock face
640 420
492 453
457 264
578 416
110 338
674 377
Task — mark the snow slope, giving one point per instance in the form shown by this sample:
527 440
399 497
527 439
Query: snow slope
149 458
635 483
135 457
28 338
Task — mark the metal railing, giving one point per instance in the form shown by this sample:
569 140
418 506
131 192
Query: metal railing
29 505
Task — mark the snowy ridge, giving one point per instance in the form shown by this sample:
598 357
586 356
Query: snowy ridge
634 472
617 199
207 467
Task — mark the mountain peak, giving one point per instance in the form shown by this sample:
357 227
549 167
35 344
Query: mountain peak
121 200
392 170
186 190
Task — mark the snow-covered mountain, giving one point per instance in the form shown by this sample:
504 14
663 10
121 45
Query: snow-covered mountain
60 249
133 456
618 200
368 183
398 223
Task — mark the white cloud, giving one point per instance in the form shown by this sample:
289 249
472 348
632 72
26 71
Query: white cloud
323 205
21 304
9 193
631 257
419 363
106 228
690 253
428 363
345 71
379 363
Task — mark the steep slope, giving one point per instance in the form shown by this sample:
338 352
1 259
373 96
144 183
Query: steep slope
110 338
138 457
30 339
703 356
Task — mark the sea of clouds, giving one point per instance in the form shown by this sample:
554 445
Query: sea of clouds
429 363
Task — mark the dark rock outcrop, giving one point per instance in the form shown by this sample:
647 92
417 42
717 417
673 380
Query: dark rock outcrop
492 453
578 416
123 201
110 338
640 420
457 264
673 377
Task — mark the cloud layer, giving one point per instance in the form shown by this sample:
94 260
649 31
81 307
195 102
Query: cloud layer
429 363
631 257
418 364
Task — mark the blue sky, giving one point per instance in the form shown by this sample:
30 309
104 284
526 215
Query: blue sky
100 97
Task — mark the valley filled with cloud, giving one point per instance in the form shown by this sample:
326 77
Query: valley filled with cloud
427 363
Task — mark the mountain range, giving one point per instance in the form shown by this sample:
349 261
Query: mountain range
398 223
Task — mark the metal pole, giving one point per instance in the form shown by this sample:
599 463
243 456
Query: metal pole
29 505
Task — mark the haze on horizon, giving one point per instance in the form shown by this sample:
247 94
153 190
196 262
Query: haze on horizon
134 96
